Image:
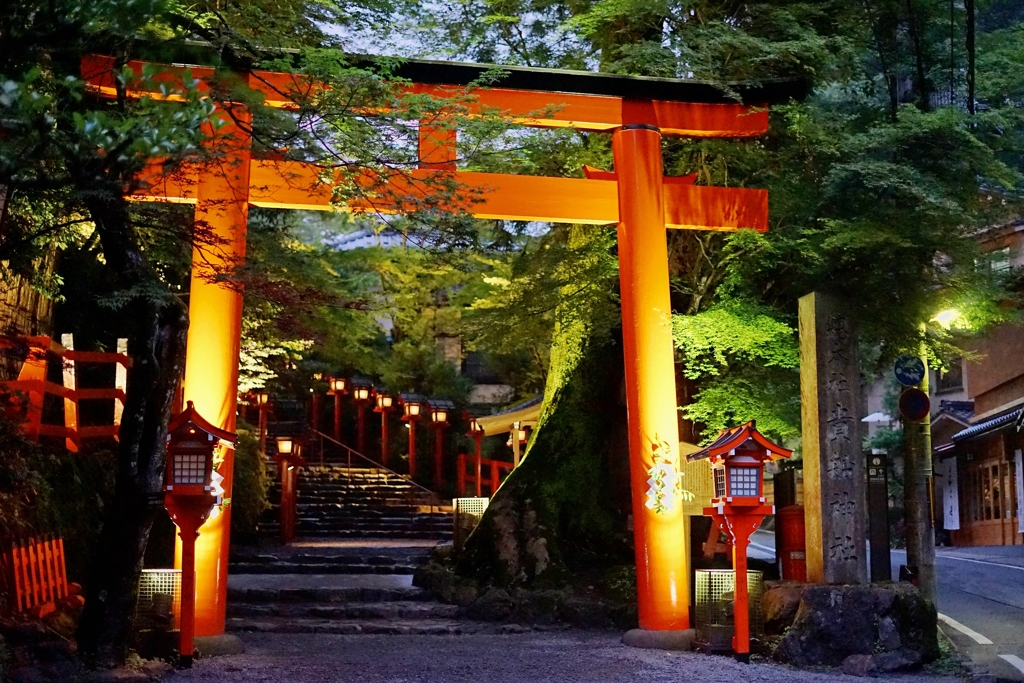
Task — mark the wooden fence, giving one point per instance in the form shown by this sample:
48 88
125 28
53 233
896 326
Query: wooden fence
496 470
37 576
33 386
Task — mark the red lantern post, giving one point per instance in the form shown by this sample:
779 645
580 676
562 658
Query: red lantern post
337 390
289 459
737 459
413 412
261 399
190 495
439 410
385 404
361 390
476 432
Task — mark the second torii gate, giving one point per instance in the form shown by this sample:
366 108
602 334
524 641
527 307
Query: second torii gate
637 112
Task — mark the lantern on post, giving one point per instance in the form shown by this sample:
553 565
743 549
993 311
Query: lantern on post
440 409
385 404
476 432
337 390
517 438
261 399
314 416
289 459
191 491
412 412
361 391
737 460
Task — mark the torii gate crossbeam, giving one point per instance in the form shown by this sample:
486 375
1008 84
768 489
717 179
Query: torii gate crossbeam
636 196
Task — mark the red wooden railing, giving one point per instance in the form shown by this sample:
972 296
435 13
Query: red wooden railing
32 382
36 573
497 471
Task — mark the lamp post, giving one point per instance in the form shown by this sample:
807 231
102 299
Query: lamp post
289 459
517 438
190 493
476 432
262 400
737 460
385 404
439 409
412 412
361 396
337 390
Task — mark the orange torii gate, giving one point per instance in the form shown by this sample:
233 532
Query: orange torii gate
636 196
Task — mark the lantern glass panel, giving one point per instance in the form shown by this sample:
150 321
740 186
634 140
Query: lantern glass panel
385 401
440 416
189 469
719 482
338 385
412 409
745 481
284 446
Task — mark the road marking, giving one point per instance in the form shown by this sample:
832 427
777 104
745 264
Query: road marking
943 556
1015 660
978 638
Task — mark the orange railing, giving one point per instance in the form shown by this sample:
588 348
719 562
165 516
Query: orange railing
35 570
496 469
33 383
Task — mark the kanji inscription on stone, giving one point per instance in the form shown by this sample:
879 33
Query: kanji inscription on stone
834 469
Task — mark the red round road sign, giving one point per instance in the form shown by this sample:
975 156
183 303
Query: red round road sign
914 405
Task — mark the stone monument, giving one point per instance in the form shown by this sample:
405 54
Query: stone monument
835 502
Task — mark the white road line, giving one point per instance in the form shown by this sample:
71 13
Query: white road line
978 638
943 556
1014 660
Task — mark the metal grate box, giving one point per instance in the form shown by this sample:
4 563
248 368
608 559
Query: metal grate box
713 619
468 512
159 605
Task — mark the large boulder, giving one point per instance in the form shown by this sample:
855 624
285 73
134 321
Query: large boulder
892 622
780 603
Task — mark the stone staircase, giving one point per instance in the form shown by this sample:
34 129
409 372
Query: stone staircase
376 604
329 557
368 502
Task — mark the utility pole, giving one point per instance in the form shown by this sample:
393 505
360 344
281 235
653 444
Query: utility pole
917 496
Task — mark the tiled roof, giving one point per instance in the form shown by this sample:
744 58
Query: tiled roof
996 423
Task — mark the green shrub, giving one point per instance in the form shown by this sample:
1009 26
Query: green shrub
249 494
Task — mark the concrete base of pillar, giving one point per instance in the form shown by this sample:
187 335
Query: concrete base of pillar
659 640
218 646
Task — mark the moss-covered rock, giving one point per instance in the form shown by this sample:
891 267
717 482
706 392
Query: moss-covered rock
892 622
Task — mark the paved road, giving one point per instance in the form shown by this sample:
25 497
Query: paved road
981 597
532 657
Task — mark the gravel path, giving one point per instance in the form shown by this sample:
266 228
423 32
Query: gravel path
534 657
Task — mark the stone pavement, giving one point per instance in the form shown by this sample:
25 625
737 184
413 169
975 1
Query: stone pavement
534 657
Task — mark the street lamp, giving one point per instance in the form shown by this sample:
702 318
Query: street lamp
191 492
412 407
439 410
337 389
385 404
737 460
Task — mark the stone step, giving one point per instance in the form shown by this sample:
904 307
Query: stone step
425 627
353 610
325 596
366 555
318 532
348 525
326 568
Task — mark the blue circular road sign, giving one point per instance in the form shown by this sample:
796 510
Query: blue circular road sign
909 370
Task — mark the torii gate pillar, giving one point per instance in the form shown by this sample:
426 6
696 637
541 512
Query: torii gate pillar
661 536
214 334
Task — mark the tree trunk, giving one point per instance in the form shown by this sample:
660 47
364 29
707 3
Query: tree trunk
564 509
157 347
971 20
